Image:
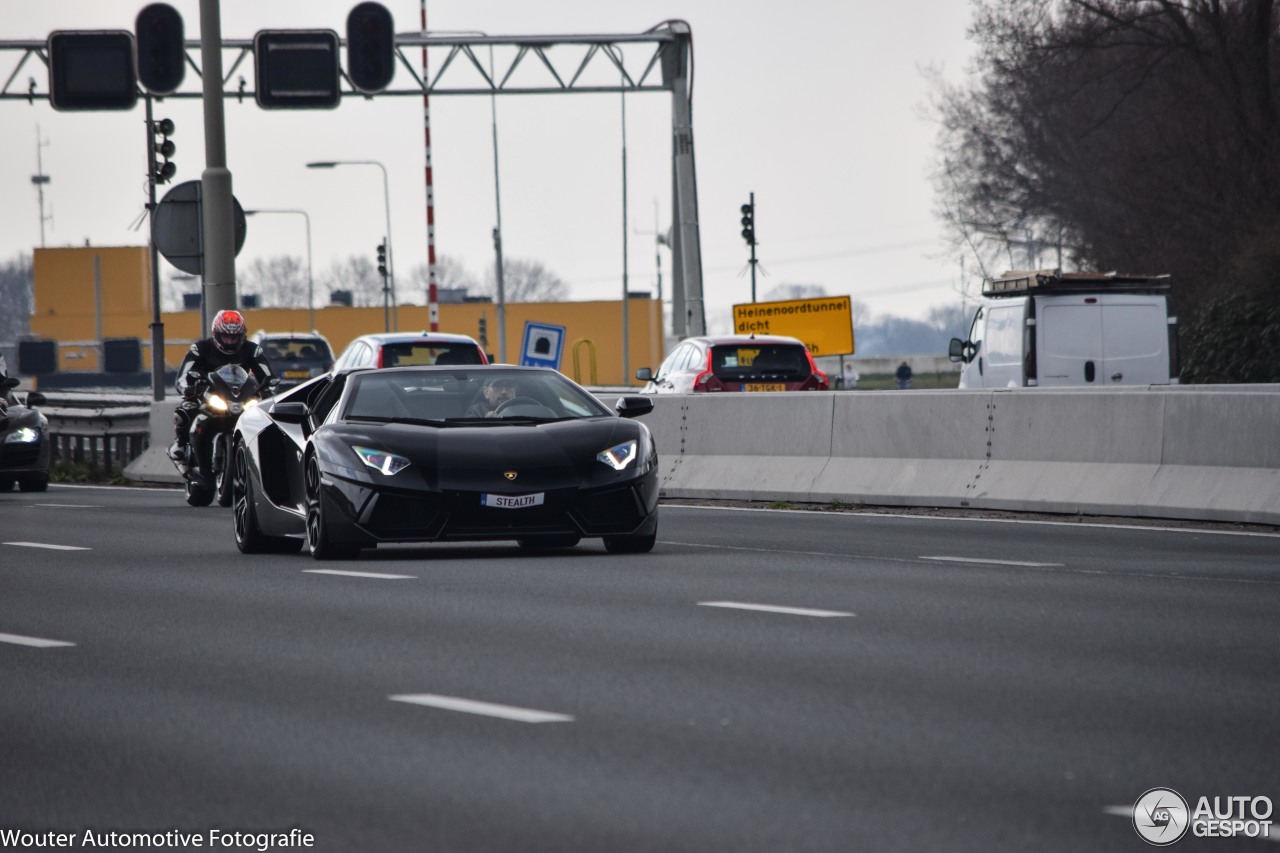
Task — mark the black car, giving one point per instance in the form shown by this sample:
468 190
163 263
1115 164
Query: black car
24 440
295 358
414 454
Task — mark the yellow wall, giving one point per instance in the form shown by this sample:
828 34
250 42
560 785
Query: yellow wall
66 312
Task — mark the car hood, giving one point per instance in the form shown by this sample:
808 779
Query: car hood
21 416
508 458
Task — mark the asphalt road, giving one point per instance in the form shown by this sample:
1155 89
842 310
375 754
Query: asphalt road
921 683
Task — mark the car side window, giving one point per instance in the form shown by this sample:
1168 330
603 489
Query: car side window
691 359
669 365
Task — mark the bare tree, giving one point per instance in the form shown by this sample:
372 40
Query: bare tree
450 273
279 281
17 295
788 292
358 275
1136 134
526 281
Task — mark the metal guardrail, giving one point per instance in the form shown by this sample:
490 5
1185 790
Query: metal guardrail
104 432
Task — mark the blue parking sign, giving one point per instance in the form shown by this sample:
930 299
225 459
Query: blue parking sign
543 345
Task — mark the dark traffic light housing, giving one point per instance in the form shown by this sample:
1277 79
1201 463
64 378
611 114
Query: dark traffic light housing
749 223
165 148
382 259
92 70
162 56
297 69
371 47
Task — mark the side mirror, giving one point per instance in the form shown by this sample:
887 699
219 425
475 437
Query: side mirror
644 374
633 407
289 413
957 350
35 398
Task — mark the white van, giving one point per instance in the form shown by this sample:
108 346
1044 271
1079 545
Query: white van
1046 328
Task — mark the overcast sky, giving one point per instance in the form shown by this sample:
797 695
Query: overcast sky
817 107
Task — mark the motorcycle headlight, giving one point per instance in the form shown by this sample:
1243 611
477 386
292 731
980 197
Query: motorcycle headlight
22 435
249 404
216 403
619 456
381 460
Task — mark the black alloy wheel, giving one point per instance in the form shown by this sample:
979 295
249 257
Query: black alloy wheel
318 542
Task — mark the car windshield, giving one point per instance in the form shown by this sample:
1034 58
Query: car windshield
741 360
422 353
470 396
297 349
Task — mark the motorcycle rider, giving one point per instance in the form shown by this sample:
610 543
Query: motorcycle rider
225 345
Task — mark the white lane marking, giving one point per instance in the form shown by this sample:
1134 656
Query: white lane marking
72 506
1127 812
34 642
773 608
487 709
827 512
985 561
46 545
377 575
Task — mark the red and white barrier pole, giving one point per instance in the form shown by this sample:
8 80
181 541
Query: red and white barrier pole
433 307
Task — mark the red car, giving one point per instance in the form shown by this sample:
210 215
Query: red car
735 363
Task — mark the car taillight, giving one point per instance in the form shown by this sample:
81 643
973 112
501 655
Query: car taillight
707 381
817 380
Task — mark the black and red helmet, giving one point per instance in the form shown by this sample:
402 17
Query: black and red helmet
228 331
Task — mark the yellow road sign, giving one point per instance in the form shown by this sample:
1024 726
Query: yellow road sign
825 324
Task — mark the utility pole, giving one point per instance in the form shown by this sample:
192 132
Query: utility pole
40 179
749 234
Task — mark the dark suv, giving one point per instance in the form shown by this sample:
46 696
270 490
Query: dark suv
295 358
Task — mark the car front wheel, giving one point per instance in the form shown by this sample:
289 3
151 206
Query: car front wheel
318 541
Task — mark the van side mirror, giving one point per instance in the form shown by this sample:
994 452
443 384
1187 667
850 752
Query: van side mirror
644 374
962 350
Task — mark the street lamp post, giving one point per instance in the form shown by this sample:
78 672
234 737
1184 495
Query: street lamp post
386 194
311 288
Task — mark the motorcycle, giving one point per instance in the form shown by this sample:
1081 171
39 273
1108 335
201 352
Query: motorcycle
223 395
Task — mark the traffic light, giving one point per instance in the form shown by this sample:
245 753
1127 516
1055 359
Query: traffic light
382 259
164 147
749 223
161 55
484 331
371 47
92 70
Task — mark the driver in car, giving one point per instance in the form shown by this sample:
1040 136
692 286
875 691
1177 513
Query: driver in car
494 394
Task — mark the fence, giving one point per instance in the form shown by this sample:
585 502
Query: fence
105 433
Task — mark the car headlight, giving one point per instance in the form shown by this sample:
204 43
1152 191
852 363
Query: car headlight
381 460
22 435
619 456
216 403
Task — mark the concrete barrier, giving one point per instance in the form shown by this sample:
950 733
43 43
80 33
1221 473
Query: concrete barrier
154 465
1145 452
1155 452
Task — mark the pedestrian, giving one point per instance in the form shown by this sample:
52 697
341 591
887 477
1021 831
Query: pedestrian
903 374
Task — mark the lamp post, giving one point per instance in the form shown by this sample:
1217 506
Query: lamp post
311 288
386 194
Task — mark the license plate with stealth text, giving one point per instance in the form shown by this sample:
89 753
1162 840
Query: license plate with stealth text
512 501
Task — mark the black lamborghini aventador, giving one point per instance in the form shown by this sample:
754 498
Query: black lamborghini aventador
419 454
